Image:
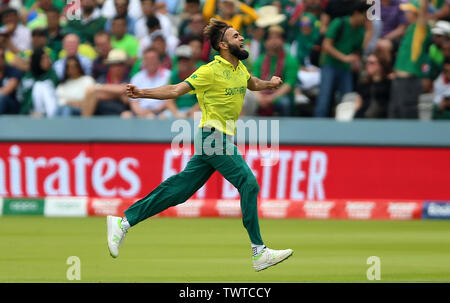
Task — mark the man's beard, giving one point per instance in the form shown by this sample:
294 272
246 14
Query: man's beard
239 53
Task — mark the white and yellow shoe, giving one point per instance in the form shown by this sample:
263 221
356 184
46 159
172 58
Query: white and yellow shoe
115 235
269 257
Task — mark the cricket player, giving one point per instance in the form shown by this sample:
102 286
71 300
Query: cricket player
220 87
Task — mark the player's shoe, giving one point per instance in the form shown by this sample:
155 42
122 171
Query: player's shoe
115 235
269 257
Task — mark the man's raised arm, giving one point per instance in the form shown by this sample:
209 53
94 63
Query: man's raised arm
162 93
256 84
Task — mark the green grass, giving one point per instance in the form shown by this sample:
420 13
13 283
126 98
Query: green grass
35 249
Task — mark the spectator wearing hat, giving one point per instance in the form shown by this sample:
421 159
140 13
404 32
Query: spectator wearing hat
235 13
152 75
276 62
71 91
407 82
341 48
441 93
121 39
9 82
435 55
71 44
108 97
18 36
185 105
90 23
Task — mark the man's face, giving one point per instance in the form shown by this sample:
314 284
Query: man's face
121 7
45 4
227 8
191 7
196 47
160 45
10 18
196 24
147 7
235 43
52 20
102 45
70 45
446 71
119 28
87 6
185 65
151 61
274 42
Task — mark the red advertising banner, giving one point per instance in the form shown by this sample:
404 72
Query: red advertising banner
302 173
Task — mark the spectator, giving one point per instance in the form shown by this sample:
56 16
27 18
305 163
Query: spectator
191 9
38 41
442 93
307 37
103 47
91 22
153 75
435 55
122 12
341 47
72 89
148 10
120 39
407 82
194 27
37 89
276 62
18 35
235 13
54 32
71 43
35 12
108 9
185 105
9 82
108 96
154 30
374 89
393 28
196 44
442 11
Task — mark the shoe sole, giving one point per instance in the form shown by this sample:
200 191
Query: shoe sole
275 263
108 226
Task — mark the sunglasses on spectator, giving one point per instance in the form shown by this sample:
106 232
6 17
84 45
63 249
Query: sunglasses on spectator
305 23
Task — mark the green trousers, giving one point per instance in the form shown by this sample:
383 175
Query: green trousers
213 151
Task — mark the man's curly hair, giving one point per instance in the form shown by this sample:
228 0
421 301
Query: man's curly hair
214 31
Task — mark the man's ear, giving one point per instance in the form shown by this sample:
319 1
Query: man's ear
223 45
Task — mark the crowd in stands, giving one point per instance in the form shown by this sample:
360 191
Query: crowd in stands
344 59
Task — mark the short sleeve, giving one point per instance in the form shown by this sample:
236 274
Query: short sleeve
333 28
201 78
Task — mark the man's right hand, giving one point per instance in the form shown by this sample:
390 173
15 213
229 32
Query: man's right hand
133 92
352 58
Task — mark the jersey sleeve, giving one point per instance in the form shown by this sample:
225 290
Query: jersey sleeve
333 29
201 78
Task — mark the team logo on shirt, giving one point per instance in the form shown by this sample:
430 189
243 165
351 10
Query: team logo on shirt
226 74
194 76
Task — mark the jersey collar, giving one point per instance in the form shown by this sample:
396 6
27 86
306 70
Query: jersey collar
222 60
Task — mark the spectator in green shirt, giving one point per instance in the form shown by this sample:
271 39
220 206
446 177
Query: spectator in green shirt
276 62
340 49
120 39
91 22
